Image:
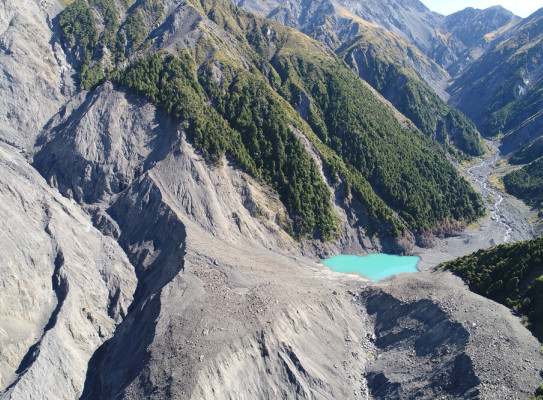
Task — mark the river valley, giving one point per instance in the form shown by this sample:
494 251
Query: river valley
506 221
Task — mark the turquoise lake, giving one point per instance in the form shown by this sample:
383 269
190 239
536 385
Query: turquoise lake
373 266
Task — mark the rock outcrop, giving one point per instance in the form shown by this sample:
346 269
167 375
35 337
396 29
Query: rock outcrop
65 286
36 77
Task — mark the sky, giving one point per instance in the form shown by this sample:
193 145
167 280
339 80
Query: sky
522 8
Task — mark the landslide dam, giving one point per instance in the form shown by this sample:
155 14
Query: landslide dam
134 266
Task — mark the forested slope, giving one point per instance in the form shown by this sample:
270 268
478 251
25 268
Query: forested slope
377 48
242 83
528 153
527 183
386 62
511 274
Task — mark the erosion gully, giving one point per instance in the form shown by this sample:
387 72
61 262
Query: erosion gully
506 222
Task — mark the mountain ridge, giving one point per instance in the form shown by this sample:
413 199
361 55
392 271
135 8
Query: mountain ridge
339 24
505 82
283 62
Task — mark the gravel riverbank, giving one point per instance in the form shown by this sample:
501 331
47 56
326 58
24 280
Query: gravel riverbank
506 221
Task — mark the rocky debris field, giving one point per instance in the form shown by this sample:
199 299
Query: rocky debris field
277 326
437 340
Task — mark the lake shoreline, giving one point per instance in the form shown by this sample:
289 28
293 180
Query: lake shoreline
374 267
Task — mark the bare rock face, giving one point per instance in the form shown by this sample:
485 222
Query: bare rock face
110 149
101 141
64 286
36 78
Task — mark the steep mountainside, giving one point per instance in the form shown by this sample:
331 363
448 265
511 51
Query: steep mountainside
450 41
477 29
520 119
528 153
510 274
471 26
261 77
36 78
65 286
159 229
501 92
409 19
382 57
527 183
386 62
